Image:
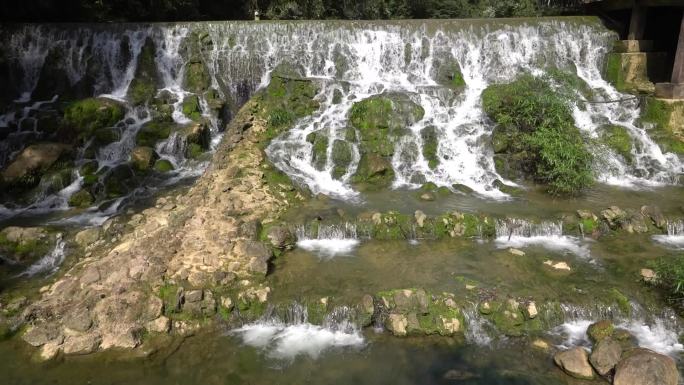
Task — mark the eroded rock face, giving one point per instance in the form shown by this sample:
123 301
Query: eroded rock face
646 367
575 362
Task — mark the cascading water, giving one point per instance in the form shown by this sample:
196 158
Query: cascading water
294 336
328 240
521 233
675 235
49 263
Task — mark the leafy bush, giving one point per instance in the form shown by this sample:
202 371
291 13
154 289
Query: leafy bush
535 124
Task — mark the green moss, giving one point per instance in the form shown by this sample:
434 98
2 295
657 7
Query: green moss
152 132
284 101
86 116
658 113
621 300
143 86
88 168
430 144
588 225
27 249
613 70
319 147
168 294
197 77
341 157
191 107
163 165
619 140
107 135
141 91
541 140
81 199
193 151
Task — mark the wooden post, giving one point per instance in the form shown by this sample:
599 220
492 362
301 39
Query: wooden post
637 22
678 69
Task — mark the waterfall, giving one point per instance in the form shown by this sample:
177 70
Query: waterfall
328 241
520 233
658 331
294 336
350 61
675 235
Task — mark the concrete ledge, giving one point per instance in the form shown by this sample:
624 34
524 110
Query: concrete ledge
629 46
670 90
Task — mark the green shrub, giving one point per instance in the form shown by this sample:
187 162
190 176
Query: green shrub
535 125
670 277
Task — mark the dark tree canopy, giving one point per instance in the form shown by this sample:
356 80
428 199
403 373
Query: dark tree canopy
174 10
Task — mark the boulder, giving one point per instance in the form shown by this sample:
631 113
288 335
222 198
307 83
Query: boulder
605 356
600 330
281 237
87 237
646 367
575 363
143 158
42 334
397 323
35 158
81 344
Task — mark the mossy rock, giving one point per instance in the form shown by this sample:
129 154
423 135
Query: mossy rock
143 87
600 330
319 149
57 180
374 171
285 100
619 140
106 135
342 154
191 107
81 199
163 165
194 151
143 158
22 244
448 73
430 145
197 78
152 132
119 181
86 116
667 119
88 168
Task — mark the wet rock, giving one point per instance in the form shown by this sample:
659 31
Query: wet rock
143 158
530 310
646 367
428 197
614 216
79 320
35 158
250 230
586 214
397 323
159 325
281 237
81 344
600 330
605 356
42 334
87 237
516 252
557 265
420 218
575 363
193 296
540 344
256 252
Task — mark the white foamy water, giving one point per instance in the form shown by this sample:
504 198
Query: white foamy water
288 341
519 233
675 235
660 335
329 240
49 263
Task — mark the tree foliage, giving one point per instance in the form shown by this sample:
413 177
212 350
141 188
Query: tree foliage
171 10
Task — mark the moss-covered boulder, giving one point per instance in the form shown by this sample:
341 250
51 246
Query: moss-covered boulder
163 165
381 121
84 117
143 87
143 158
197 78
191 107
319 149
535 134
600 330
81 199
619 140
416 312
152 132
342 155
285 100
447 72
430 144
666 120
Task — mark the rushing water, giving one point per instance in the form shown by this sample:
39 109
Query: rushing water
675 235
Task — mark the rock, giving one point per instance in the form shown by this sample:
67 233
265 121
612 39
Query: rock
79 320
84 344
516 252
540 344
586 214
600 330
42 334
646 367
256 252
428 197
35 158
450 325
614 216
486 308
420 218
143 158
87 237
397 323
81 199
91 275
557 265
227 303
281 237
648 275
193 296
656 216
531 310
163 165
159 325
575 363
50 350
605 356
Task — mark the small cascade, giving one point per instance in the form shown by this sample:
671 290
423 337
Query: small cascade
328 241
48 264
292 336
478 330
513 232
658 331
675 235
